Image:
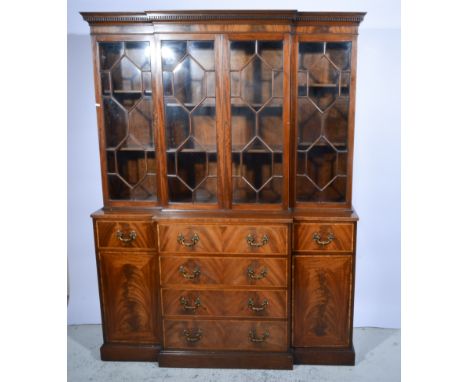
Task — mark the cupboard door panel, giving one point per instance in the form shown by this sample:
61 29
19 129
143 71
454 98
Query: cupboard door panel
129 296
257 111
127 107
190 113
322 301
323 92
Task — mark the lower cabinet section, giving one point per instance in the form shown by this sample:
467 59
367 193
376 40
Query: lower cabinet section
260 307
322 297
129 296
226 335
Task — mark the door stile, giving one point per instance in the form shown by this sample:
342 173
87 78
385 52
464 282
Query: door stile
226 80
220 136
160 119
286 118
293 130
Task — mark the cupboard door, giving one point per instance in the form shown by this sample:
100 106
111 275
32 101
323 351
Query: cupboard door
323 97
189 86
127 104
129 296
322 301
257 74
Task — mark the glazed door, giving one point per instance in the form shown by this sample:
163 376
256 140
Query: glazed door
324 95
125 101
190 114
257 111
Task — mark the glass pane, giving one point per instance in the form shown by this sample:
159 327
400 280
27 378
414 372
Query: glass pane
241 52
257 121
322 130
203 53
128 119
190 120
109 53
256 83
188 83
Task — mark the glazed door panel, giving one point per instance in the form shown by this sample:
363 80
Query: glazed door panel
129 296
322 290
126 94
323 93
190 119
258 108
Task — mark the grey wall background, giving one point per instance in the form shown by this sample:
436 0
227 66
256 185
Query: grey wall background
376 187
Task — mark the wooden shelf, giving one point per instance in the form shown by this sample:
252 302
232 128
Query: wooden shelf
149 149
191 151
257 151
129 92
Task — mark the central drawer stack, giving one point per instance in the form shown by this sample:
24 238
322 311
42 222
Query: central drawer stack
224 286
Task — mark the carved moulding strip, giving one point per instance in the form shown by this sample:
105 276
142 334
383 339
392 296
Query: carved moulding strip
154 16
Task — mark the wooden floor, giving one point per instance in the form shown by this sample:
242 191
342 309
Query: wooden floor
377 359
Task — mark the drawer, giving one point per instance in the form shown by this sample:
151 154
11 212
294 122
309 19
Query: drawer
271 240
216 271
128 234
225 335
183 238
324 237
227 303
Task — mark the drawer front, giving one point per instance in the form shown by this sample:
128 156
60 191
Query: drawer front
192 272
225 335
255 239
255 303
183 238
324 237
125 234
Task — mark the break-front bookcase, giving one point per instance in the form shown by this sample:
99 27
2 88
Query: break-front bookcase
227 236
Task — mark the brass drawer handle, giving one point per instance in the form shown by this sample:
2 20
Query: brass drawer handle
318 239
194 240
252 275
192 337
253 336
126 238
196 273
185 303
254 308
251 240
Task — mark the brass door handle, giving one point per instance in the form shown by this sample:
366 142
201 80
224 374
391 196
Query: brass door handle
185 303
251 240
318 239
253 276
192 337
126 238
194 240
253 336
195 274
254 308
